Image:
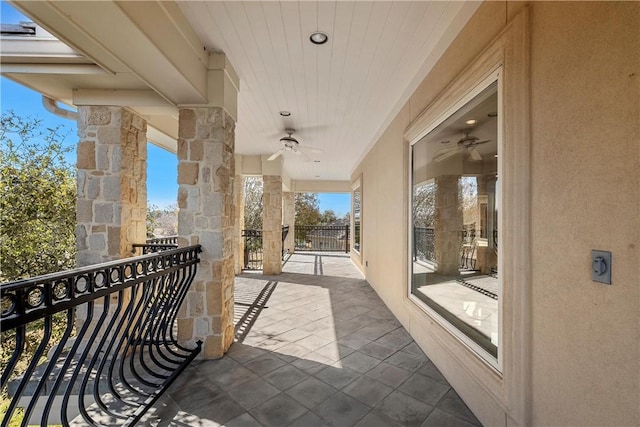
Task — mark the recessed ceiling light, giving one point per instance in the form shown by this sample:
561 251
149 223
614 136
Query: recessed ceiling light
285 113
471 122
318 37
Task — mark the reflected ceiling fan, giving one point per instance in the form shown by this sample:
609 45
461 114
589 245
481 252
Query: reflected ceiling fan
289 143
468 142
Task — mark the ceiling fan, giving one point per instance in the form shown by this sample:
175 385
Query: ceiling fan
468 142
289 143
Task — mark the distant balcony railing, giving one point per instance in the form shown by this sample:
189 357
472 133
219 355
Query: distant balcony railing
253 252
155 244
423 244
124 354
322 238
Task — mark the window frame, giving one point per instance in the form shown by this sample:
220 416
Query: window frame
356 186
494 362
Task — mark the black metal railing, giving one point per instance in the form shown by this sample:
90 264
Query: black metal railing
253 247
322 238
424 244
124 354
155 244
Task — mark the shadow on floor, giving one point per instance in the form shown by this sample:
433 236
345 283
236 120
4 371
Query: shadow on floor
315 350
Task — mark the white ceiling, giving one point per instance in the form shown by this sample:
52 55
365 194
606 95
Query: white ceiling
341 95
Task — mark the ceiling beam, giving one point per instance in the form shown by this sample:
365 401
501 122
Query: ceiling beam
121 97
150 39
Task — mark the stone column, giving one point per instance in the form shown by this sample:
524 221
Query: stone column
238 193
206 217
272 224
112 179
448 225
289 218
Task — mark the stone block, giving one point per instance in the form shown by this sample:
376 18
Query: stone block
96 242
103 213
213 347
81 237
202 327
212 204
103 158
183 149
92 187
99 115
139 123
212 243
109 135
84 211
215 303
196 150
187 123
185 223
185 329
113 238
111 190
182 197
86 155
195 304
99 228
188 173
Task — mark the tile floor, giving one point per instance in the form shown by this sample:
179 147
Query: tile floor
315 347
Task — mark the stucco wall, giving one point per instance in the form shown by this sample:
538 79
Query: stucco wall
585 177
585 95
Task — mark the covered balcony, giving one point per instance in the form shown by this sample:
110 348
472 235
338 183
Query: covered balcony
488 271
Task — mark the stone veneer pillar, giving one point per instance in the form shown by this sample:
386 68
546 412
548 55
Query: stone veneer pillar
238 194
448 225
289 218
206 217
112 178
272 224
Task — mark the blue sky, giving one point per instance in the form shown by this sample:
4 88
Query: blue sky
162 167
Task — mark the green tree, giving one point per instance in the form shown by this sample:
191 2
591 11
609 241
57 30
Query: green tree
37 199
37 221
253 191
328 217
307 209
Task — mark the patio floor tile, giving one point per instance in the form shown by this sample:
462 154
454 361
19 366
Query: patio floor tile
286 377
342 410
405 409
253 393
337 377
279 411
311 392
367 391
343 360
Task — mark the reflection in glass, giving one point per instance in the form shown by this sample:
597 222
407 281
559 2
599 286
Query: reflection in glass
455 220
357 201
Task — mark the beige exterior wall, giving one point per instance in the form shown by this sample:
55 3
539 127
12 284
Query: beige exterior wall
584 358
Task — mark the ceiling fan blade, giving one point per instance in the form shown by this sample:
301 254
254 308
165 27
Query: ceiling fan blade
311 149
445 154
475 155
276 154
481 142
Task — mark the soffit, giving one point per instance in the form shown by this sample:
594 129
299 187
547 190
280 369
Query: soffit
342 94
